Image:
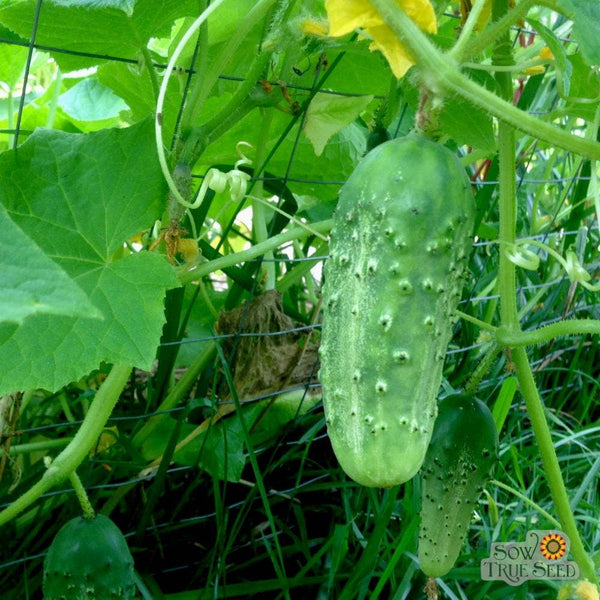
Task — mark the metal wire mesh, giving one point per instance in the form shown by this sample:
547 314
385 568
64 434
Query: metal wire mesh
483 248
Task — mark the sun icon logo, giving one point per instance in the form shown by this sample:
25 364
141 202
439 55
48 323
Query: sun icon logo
553 546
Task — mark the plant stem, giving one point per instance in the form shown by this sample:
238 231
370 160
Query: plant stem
162 159
30 447
187 275
238 106
552 471
481 369
517 338
10 110
495 30
509 315
82 497
510 319
177 394
204 86
441 75
87 434
594 187
259 216
467 31
53 104
300 270
475 321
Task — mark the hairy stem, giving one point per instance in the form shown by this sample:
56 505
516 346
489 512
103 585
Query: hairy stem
160 102
85 438
441 75
495 30
203 87
457 51
510 318
509 315
552 470
259 211
239 105
518 338
82 497
481 369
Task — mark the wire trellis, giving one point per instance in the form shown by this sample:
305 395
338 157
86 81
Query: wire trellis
134 418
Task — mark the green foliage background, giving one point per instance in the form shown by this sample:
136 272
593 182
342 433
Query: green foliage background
251 503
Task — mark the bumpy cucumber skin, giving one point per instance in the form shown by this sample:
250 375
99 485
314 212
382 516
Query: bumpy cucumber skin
89 560
459 462
399 245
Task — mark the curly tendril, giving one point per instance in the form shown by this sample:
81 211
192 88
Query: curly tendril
218 181
527 259
160 101
237 180
522 257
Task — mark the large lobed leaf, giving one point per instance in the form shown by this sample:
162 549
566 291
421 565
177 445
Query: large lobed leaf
118 28
77 198
32 282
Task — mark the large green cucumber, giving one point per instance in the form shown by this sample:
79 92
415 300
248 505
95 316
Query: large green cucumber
459 461
89 560
401 237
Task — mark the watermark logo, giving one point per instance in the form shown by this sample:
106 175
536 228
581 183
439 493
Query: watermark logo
543 555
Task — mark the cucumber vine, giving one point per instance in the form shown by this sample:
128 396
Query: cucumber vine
439 75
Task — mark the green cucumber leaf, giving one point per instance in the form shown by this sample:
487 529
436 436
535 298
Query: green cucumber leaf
125 6
12 59
360 71
101 28
32 282
78 198
134 86
467 124
89 100
585 89
586 16
219 449
339 158
328 114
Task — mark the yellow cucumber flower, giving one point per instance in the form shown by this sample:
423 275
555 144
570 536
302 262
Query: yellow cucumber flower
545 54
347 15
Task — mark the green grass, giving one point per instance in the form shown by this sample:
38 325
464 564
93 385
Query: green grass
335 539
294 526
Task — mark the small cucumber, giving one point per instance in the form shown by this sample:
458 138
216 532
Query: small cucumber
459 462
89 560
400 240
